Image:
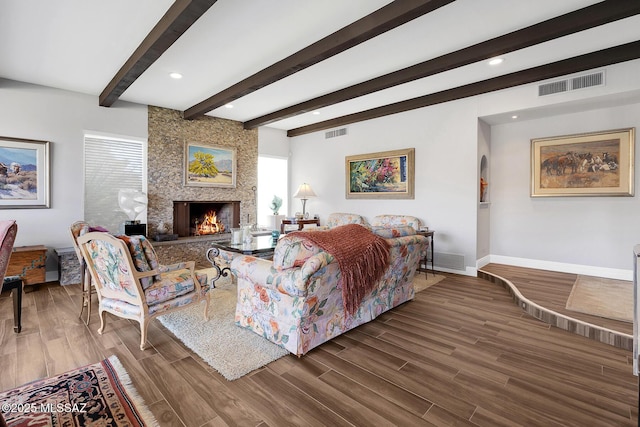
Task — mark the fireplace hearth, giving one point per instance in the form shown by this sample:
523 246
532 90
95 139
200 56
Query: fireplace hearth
197 218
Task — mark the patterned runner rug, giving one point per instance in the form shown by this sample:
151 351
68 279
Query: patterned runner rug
100 394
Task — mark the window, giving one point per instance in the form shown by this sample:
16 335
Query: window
273 175
110 164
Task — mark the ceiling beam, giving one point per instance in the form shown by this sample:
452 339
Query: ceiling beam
579 20
601 58
180 16
384 19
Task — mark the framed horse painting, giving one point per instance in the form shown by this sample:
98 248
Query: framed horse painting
589 164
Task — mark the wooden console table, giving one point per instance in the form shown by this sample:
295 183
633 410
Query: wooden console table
301 223
28 262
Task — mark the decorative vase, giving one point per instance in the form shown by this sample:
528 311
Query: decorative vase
163 227
236 236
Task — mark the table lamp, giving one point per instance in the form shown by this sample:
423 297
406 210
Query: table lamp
304 192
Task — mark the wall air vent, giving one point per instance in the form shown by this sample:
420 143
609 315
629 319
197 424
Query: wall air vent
590 80
553 87
334 133
573 83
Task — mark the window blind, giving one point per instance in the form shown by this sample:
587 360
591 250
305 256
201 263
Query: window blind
111 164
273 180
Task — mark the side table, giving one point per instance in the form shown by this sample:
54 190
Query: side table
301 223
28 262
429 235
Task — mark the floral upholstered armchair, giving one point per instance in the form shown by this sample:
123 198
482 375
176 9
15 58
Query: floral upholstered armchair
396 221
399 221
296 300
337 219
77 229
131 284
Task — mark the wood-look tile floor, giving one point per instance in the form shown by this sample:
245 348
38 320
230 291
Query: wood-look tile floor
460 353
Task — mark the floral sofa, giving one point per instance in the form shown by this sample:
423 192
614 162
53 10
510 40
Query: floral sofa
296 300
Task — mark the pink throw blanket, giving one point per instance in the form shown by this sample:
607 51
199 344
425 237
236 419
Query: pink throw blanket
362 256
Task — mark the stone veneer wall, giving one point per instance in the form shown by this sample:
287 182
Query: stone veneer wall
168 134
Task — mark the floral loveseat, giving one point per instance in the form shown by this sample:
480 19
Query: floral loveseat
296 300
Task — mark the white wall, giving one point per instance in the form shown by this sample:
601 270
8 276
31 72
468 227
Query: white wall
273 142
580 232
445 177
484 212
556 234
36 112
597 232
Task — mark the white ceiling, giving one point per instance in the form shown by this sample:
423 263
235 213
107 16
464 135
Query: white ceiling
79 45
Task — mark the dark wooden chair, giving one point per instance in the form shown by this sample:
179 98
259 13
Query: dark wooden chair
8 231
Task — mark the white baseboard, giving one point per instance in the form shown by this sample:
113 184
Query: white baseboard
469 271
483 261
587 270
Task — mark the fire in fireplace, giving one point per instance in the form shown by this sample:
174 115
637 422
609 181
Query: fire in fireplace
195 218
209 224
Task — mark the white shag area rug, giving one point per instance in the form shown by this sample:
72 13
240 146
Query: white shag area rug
231 350
422 281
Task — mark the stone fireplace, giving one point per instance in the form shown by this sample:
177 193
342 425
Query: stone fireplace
167 192
199 218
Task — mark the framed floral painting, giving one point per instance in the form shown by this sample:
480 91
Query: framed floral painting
383 175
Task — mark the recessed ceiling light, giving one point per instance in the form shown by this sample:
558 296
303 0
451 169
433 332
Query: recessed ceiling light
495 61
514 116
175 75
228 106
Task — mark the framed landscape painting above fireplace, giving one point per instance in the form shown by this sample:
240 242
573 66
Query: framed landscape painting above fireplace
209 165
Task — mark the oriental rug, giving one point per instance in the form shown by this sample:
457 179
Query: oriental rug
100 394
608 298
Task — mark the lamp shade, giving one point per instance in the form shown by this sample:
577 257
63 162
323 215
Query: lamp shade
304 192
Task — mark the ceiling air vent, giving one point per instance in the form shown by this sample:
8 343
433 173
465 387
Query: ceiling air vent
573 83
334 133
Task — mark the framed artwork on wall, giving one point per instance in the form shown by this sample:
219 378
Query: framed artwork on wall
383 175
209 165
590 164
24 173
